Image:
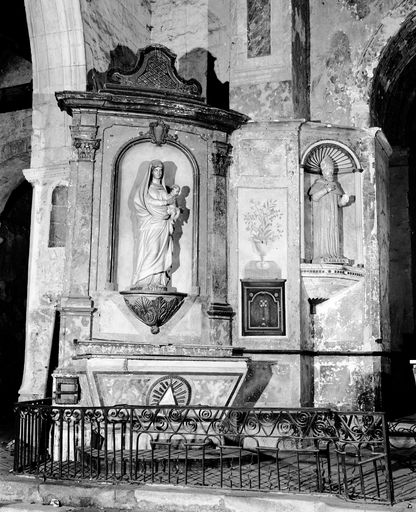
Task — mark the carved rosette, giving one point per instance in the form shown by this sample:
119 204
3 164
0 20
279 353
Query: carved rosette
153 309
221 158
85 142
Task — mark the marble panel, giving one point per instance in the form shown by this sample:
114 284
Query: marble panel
258 28
134 388
183 382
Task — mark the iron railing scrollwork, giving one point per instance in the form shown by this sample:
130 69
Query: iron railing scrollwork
276 449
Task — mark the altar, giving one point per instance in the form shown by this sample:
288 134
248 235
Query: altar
216 261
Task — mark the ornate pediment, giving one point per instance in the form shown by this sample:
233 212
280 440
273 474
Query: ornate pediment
155 73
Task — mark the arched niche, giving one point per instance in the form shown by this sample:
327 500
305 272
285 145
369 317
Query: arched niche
58 218
130 167
347 171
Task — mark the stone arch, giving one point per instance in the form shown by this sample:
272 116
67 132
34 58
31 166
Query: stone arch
58 60
12 166
392 106
396 60
14 250
373 53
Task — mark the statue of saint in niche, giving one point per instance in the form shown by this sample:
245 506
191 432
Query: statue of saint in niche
157 212
327 197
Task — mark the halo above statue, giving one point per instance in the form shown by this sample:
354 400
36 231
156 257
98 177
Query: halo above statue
343 158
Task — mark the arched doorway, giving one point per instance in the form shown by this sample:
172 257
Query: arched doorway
14 254
393 108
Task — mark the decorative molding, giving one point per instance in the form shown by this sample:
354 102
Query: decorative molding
159 133
85 142
221 158
169 388
379 136
47 175
78 306
178 109
344 158
218 310
154 72
315 301
90 349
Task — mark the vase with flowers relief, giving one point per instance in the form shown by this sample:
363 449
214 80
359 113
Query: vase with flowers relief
263 223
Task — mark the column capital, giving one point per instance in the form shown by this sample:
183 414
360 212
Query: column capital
84 141
221 158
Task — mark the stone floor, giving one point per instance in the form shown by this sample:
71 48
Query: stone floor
6 458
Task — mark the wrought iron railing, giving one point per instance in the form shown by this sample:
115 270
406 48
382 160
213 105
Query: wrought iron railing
268 449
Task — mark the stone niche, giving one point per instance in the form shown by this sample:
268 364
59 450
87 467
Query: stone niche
337 333
148 114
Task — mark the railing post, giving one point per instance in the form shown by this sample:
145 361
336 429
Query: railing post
389 478
17 430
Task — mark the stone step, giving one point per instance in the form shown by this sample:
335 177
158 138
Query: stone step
35 507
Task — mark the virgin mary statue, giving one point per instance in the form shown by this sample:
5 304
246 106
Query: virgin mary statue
156 211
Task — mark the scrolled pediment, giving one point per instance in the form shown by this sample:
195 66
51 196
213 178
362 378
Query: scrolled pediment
154 72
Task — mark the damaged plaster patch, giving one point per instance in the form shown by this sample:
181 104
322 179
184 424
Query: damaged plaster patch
339 78
266 101
345 384
358 8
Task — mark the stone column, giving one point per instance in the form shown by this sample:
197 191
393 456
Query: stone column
219 312
76 305
46 265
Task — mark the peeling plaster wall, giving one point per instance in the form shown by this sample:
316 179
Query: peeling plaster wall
16 71
108 24
261 87
347 38
348 383
182 26
15 131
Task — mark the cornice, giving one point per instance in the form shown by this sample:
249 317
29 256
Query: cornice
47 174
144 104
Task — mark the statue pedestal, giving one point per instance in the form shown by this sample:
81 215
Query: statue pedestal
324 281
153 309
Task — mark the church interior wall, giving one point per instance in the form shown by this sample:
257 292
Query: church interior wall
259 79
347 40
14 150
108 25
400 285
14 252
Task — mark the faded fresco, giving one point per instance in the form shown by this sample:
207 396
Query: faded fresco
262 233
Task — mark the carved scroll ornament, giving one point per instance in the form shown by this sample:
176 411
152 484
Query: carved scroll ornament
155 71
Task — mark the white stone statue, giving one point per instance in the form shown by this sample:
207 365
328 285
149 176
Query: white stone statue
327 197
157 211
